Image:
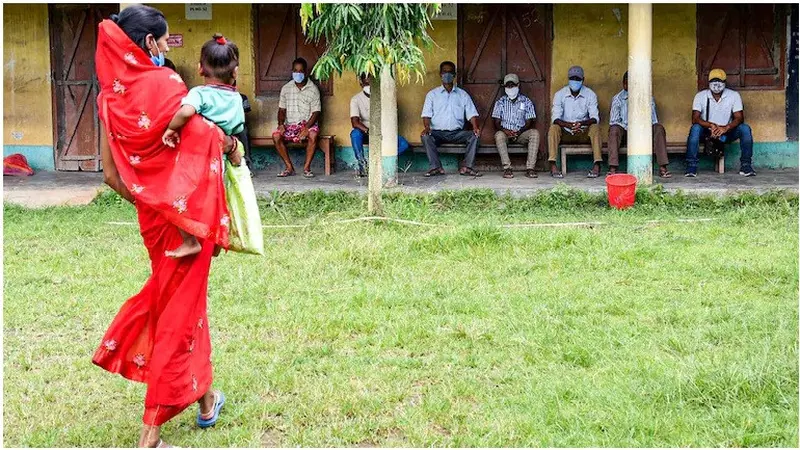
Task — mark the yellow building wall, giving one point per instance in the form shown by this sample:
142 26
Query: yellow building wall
595 36
233 20
27 94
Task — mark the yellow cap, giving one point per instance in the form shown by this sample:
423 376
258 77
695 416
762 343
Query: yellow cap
717 73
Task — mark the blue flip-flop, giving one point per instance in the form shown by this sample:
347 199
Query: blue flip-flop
218 403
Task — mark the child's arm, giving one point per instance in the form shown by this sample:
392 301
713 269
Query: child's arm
183 115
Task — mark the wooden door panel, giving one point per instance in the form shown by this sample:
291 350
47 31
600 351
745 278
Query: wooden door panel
73 39
745 40
280 40
496 39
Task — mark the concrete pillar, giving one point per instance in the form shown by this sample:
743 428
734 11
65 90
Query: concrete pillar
388 127
640 91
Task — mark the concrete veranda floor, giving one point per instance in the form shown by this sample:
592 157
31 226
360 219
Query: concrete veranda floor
79 188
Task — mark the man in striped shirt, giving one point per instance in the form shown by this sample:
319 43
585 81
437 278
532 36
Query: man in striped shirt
618 131
513 117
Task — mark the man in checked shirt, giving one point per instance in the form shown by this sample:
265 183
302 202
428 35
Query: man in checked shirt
514 116
618 131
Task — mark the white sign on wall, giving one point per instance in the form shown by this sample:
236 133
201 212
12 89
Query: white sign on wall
449 11
198 11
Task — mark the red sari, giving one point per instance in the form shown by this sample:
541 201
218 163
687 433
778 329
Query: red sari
160 335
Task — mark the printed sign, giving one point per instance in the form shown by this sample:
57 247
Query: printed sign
175 40
198 11
449 11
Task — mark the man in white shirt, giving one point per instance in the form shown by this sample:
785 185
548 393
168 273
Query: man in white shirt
575 120
618 131
443 114
359 119
717 112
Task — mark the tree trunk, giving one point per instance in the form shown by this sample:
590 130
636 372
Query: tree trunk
388 127
374 202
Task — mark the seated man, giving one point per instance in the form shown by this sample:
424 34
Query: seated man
513 117
618 131
718 112
575 120
298 111
359 118
443 116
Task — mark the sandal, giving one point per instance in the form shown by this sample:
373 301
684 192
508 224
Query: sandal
469 171
531 173
556 174
508 173
162 444
592 175
434 173
665 174
308 174
219 402
286 173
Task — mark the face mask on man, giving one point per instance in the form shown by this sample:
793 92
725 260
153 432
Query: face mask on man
512 92
366 89
575 85
716 86
448 77
298 77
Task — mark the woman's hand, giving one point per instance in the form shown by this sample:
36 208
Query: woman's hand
235 157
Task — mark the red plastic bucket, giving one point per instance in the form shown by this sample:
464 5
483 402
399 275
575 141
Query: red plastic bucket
621 190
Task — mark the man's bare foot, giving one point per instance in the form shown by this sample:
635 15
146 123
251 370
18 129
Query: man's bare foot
188 248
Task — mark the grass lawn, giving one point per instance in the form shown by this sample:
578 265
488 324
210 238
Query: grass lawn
466 333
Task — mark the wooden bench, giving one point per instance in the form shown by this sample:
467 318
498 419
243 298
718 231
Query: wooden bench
460 149
324 143
678 148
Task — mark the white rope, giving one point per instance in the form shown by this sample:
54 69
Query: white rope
423 224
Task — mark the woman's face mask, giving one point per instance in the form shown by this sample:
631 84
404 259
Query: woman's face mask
158 60
448 77
366 89
575 85
512 92
716 86
298 77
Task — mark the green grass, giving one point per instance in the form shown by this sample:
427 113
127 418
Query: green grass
466 334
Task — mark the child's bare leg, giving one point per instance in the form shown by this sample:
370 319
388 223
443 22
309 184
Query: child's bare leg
190 246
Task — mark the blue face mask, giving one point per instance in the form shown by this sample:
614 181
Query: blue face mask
159 59
575 86
448 77
298 77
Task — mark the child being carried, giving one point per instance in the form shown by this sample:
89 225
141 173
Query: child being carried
217 100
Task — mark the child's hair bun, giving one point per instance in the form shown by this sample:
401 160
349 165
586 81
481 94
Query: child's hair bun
219 38
114 18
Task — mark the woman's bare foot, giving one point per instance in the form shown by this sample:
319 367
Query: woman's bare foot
188 248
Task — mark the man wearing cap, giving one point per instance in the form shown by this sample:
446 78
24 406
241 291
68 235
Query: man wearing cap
513 117
718 112
443 115
575 120
618 131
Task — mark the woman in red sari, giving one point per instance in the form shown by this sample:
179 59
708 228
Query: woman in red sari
160 335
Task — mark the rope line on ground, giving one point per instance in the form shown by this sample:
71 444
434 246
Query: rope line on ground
423 224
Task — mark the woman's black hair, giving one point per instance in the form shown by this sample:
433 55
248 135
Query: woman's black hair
137 21
219 58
